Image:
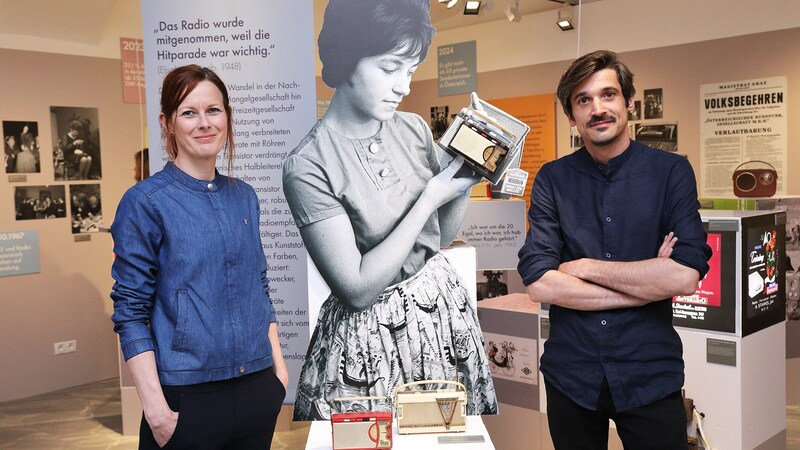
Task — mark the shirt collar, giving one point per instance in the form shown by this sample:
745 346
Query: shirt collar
193 183
613 165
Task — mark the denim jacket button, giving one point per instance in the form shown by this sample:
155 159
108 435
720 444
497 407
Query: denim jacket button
210 185
241 369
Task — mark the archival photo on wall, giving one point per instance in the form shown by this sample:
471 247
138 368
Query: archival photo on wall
21 147
86 208
39 202
653 104
439 122
663 136
636 112
76 143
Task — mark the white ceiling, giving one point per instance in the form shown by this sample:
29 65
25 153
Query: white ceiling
86 21
80 21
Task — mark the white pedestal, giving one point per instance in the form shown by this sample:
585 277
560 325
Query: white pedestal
744 406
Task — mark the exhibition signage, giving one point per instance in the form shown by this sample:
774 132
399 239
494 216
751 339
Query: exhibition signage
742 121
713 305
19 252
763 276
458 68
132 56
264 52
497 231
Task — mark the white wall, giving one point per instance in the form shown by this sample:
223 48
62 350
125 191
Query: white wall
619 25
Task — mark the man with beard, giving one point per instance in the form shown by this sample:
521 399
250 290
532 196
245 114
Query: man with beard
614 234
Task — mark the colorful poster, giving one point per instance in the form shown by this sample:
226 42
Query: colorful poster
713 305
708 289
763 281
742 121
760 272
264 52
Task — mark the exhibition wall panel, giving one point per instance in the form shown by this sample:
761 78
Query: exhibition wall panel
68 299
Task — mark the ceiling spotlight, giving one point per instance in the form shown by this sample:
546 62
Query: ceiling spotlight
565 21
451 3
512 11
472 7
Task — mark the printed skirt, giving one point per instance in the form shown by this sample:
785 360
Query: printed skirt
423 328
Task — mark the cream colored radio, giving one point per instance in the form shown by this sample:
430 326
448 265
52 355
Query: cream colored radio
431 411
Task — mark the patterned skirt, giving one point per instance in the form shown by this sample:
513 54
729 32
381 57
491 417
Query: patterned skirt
423 328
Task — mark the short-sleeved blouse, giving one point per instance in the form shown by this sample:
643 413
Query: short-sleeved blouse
375 181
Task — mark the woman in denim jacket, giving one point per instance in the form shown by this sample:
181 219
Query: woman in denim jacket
191 305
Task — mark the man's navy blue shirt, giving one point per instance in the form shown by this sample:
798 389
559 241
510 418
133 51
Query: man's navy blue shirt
615 212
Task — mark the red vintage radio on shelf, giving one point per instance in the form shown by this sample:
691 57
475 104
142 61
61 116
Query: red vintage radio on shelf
361 430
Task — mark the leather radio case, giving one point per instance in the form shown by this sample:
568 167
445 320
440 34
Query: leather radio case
755 182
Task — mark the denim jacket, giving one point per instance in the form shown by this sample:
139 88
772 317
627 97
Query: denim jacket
190 277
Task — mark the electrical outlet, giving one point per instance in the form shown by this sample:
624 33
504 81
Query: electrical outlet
59 348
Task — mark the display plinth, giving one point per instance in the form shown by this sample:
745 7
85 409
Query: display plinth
734 334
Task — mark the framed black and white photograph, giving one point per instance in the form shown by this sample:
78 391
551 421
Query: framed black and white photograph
636 112
40 202
439 120
85 208
653 104
21 147
663 136
76 143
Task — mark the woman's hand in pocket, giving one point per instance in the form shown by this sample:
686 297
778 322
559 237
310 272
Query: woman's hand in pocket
163 428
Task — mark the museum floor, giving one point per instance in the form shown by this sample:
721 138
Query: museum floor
88 417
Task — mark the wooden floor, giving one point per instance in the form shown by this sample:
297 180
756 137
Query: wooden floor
88 417
85 417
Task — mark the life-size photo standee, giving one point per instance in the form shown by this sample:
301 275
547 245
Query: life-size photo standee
489 139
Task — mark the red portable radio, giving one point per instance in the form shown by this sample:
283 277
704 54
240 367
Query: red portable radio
361 430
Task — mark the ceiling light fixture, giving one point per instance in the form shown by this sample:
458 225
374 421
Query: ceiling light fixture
451 3
512 11
472 7
565 21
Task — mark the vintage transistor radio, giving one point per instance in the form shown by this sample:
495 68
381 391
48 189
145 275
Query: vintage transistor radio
489 139
752 182
361 430
431 411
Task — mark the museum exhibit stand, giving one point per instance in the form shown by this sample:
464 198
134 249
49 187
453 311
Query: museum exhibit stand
734 331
